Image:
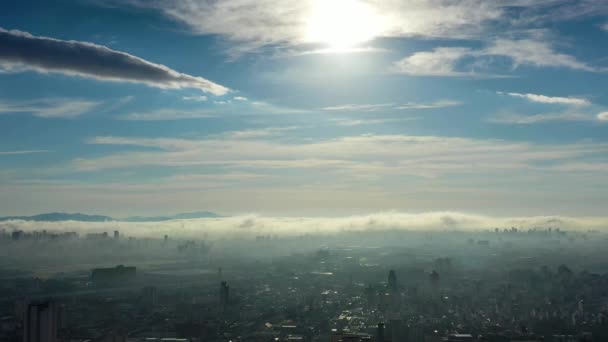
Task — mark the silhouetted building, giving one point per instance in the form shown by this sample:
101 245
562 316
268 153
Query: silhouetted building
380 332
116 235
350 337
149 296
113 275
398 330
392 280
41 322
17 235
434 279
224 293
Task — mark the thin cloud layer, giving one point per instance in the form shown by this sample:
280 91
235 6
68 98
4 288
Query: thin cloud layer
248 226
167 115
11 153
354 156
573 101
382 106
519 119
467 62
50 107
254 23
23 51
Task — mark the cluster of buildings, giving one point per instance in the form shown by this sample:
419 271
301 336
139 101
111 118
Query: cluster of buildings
416 288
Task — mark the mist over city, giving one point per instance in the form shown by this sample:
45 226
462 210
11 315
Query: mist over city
303 170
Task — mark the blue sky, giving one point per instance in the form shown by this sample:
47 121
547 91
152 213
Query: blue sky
304 107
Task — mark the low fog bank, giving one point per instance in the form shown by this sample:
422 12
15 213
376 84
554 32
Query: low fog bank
254 225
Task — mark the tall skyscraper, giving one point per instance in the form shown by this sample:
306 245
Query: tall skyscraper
380 332
392 280
41 322
224 293
434 281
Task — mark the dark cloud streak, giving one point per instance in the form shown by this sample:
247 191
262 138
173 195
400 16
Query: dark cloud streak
76 58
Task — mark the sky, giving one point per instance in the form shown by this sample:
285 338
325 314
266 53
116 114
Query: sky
304 107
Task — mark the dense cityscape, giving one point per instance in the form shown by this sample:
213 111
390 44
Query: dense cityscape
393 285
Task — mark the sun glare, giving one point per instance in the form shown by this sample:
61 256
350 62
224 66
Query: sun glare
342 24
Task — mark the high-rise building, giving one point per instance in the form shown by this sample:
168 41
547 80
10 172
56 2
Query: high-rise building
41 322
434 278
398 330
116 235
149 296
380 332
434 282
113 275
224 293
392 280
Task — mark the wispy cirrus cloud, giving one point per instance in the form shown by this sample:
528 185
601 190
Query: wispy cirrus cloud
201 98
22 51
520 119
380 106
260 133
167 114
468 62
363 122
253 24
431 105
572 101
50 107
535 53
12 153
374 154
438 62
365 107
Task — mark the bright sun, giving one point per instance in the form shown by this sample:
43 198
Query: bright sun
342 24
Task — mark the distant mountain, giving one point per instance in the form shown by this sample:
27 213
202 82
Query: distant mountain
183 216
54 217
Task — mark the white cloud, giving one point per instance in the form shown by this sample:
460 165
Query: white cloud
603 116
260 133
432 105
252 225
535 53
519 119
9 153
240 98
605 27
438 62
166 115
356 156
359 107
50 107
574 101
467 62
362 122
380 106
21 51
201 98
255 23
